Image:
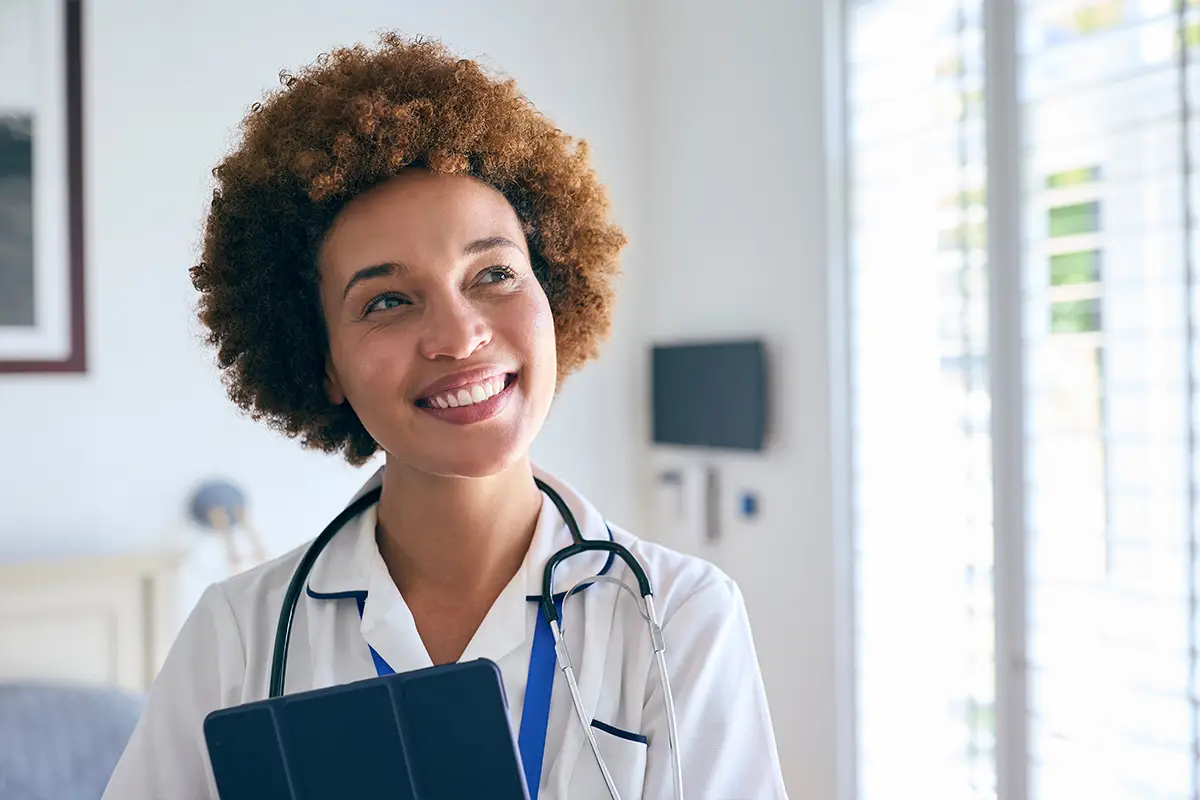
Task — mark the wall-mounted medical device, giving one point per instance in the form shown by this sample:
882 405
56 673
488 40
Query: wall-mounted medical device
710 395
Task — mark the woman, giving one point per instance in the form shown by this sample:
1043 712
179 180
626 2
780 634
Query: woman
403 255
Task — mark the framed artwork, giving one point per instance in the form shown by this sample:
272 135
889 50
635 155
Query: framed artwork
42 319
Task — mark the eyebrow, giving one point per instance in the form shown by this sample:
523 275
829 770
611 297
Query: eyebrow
376 271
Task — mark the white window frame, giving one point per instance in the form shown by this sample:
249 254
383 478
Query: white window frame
1006 360
841 445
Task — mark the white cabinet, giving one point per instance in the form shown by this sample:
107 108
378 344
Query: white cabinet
103 619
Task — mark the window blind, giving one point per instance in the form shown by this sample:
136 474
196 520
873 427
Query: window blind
1110 577
1107 253
920 420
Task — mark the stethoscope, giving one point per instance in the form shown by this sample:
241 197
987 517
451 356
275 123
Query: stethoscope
283 631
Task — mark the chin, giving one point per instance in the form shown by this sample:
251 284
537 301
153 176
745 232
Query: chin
479 450
462 465
474 460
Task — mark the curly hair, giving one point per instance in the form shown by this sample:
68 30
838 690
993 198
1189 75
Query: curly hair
354 118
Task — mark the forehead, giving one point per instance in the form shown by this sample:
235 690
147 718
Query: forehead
415 217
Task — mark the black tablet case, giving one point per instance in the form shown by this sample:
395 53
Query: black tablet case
440 732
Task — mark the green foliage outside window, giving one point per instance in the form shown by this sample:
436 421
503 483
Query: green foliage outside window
1075 316
1071 269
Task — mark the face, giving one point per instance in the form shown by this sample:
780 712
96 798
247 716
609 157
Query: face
440 337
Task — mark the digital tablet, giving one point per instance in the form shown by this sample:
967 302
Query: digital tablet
440 732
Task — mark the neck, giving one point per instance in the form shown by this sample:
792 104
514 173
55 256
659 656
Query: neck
456 535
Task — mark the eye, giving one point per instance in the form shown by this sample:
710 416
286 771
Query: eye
384 302
497 275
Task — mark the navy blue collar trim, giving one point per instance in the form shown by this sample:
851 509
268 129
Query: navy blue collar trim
615 731
335 595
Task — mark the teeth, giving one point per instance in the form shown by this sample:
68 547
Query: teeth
468 395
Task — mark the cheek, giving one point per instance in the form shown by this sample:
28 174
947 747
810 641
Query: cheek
368 366
543 319
543 334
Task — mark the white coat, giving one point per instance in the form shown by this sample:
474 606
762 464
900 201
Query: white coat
222 658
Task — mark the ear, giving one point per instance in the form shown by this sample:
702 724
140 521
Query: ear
333 386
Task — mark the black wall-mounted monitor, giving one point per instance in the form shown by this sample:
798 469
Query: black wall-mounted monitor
710 395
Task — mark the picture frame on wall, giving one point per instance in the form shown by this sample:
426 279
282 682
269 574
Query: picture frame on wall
42 308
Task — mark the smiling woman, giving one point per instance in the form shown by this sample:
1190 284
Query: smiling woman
345 126
416 317
404 256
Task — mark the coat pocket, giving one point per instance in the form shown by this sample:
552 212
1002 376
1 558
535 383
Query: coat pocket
624 754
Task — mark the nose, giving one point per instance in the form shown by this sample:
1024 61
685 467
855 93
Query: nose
454 329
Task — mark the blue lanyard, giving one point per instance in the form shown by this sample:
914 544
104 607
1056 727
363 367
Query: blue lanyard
535 713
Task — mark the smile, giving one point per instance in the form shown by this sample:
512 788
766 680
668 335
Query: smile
471 402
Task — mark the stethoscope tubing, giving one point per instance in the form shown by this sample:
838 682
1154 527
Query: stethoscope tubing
291 600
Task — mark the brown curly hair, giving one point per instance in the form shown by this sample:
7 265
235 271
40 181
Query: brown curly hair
351 120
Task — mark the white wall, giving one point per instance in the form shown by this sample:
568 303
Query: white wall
17 26
735 245
106 460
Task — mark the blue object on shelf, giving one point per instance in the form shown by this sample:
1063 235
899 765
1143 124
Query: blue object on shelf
217 500
749 505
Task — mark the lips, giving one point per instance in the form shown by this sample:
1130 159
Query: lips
473 402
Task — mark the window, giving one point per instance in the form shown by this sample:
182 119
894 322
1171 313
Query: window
1104 249
918 218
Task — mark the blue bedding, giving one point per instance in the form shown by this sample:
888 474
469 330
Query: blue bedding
61 742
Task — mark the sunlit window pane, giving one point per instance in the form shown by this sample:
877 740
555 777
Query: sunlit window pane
1108 395
1108 593
922 413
